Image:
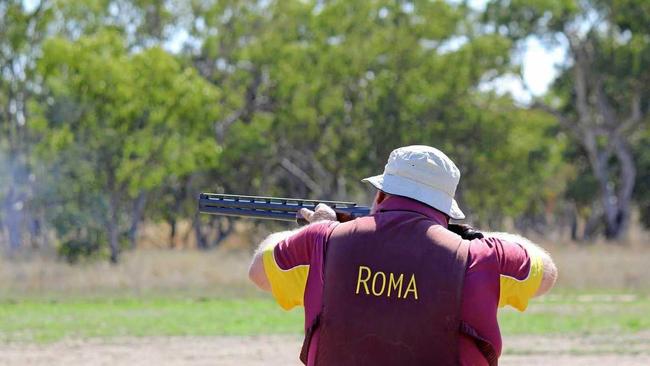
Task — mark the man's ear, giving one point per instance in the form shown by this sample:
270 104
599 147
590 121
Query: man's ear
380 197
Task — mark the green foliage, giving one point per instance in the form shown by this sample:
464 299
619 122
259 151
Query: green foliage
344 83
74 250
519 167
522 18
600 96
292 98
123 123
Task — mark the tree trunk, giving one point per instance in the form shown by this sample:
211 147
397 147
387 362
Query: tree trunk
14 203
600 131
573 214
43 236
615 202
225 227
180 195
136 218
607 194
592 224
201 240
627 177
113 228
172 235
13 220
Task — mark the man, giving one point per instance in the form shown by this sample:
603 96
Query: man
397 287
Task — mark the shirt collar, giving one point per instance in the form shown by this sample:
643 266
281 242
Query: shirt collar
399 203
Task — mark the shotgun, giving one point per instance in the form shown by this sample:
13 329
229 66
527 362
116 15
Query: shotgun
286 209
273 208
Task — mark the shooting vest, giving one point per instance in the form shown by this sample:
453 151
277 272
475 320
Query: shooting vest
392 292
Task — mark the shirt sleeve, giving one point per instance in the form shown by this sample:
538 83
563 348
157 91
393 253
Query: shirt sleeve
287 264
520 272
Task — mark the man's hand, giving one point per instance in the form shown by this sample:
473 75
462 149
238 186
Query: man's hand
322 212
465 231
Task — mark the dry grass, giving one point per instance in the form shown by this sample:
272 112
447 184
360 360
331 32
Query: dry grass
222 272
218 272
602 267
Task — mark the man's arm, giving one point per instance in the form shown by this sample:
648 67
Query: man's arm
549 270
256 271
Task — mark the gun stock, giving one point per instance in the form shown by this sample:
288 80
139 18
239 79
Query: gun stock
286 209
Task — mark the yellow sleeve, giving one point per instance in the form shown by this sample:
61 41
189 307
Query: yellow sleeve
287 286
516 293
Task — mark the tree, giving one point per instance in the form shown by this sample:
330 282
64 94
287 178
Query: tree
131 119
601 96
320 93
142 23
291 97
642 188
21 33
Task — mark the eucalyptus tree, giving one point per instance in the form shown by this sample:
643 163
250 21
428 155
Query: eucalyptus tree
131 120
320 92
601 95
22 30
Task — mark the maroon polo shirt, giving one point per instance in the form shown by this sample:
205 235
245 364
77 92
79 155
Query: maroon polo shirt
489 261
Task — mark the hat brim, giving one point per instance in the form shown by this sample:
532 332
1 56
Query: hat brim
401 186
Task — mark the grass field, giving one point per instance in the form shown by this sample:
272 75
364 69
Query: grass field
48 321
198 308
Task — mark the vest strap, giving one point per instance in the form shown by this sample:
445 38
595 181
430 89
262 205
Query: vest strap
304 351
483 345
309 333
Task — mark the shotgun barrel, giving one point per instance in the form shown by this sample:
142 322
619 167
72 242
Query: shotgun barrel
272 208
286 209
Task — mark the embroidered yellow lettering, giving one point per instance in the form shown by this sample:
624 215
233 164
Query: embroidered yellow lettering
374 281
378 285
412 287
365 280
395 284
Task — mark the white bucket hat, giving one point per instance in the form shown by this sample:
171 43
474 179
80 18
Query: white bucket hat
422 173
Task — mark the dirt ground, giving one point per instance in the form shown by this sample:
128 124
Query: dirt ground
283 350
